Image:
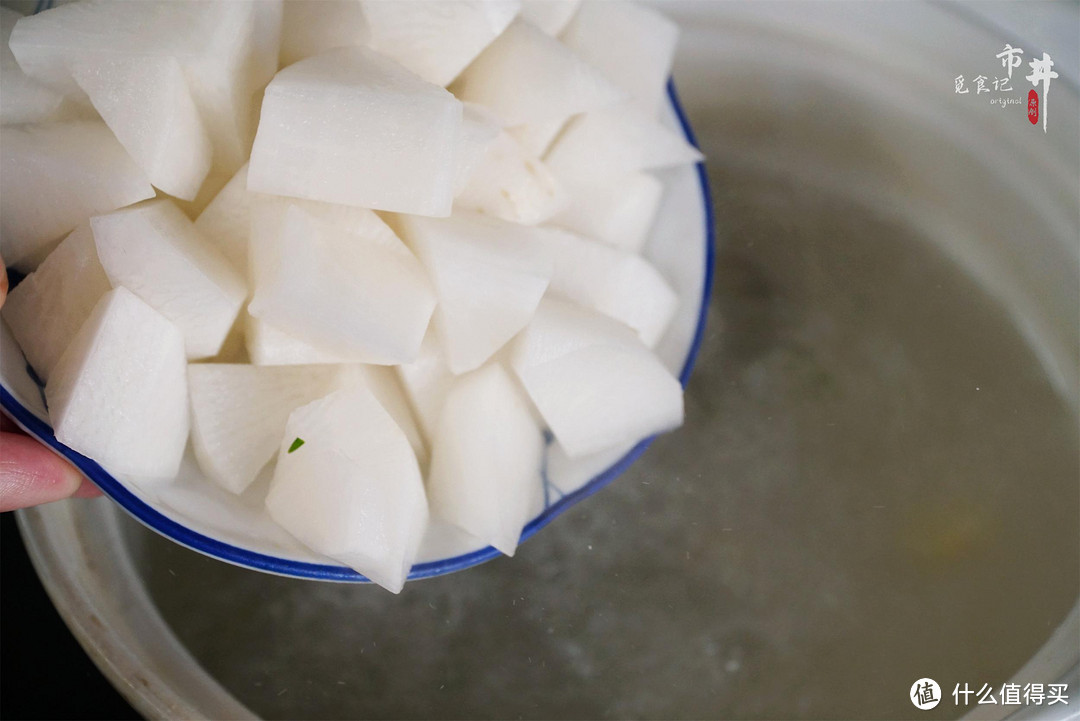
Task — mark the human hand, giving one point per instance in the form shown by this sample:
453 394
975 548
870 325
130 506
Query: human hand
29 472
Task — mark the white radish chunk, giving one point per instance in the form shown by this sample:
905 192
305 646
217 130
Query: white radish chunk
426 381
383 382
536 138
154 251
49 43
347 485
224 61
311 27
551 16
593 381
479 128
526 76
239 412
56 176
621 285
165 137
486 458
118 394
227 76
436 39
25 100
487 278
48 307
632 45
510 184
226 220
364 297
619 212
270 209
354 128
268 346
268 29
599 147
563 472
228 68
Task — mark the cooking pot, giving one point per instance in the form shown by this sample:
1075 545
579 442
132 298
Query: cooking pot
877 481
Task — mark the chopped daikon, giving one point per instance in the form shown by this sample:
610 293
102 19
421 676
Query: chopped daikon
226 220
479 128
154 251
551 16
526 76
536 138
621 285
48 307
384 384
426 381
486 458
632 45
593 381
619 212
227 51
239 412
56 176
598 147
268 346
365 297
488 282
511 184
166 136
436 39
352 127
347 485
25 100
118 394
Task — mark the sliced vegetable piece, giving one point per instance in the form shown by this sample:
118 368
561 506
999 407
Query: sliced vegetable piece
353 491
487 278
486 458
48 307
593 381
352 127
118 394
56 176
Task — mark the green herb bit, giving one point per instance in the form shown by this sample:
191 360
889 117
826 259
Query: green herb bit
296 444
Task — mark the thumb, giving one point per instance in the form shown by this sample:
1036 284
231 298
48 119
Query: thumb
31 474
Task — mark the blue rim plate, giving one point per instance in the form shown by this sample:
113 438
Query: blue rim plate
327 572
